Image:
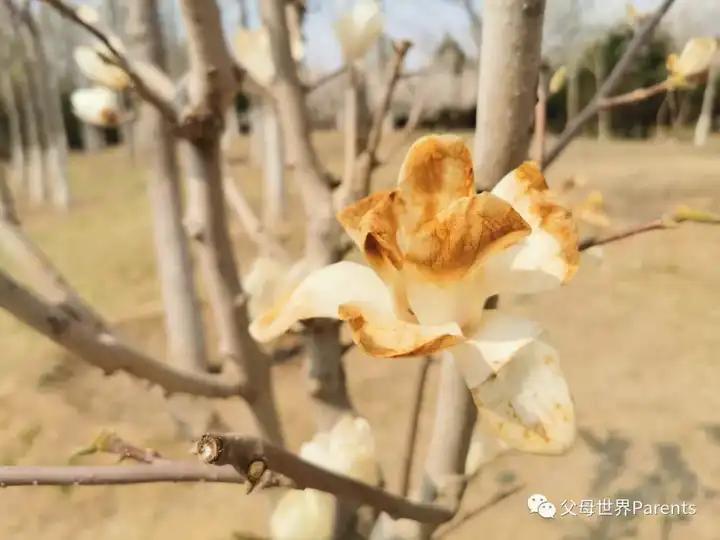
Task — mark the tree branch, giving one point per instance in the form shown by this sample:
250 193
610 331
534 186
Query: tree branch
104 475
634 96
149 81
324 79
111 443
667 221
102 349
414 117
357 185
249 454
591 109
411 439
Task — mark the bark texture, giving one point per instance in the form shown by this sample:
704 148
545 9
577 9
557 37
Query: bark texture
507 86
183 322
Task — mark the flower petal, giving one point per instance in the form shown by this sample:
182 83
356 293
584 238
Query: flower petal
320 294
304 513
497 341
547 258
359 29
696 57
372 225
484 448
100 72
383 335
97 106
437 170
442 260
527 404
252 51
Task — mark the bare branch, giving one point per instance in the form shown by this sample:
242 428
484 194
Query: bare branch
103 475
394 71
102 349
357 185
414 117
248 454
591 109
8 213
634 96
149 81
416 410
110 443
324 79
670 220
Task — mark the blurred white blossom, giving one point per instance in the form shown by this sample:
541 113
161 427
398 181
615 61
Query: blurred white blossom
347 449
91 64
359 29
97 106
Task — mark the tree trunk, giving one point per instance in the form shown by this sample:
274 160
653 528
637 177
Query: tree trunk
255 116
183 322
572 82
604 132
507 98
37 129
117 18
57 148
537 146
274 169
704 123
12 110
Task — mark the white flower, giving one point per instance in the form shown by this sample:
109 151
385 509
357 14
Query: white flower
270 280
254 53
359 29
347 449
94 67
436 252
261 283
97 106
87 15
694 61
483 449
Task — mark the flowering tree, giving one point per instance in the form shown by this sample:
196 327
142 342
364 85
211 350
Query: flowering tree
430 243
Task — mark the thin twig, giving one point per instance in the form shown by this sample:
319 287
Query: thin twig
414 117
324 79
104 475
634 96
395 70
358 185
150 92
575 125
110 443
411 440
472 513
253 457
670 220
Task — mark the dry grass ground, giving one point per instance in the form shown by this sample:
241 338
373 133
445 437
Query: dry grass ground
638 336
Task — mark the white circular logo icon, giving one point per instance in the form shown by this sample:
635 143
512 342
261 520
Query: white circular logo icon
534 502
546 510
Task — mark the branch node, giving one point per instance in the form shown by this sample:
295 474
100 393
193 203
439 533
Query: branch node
208 448
255 471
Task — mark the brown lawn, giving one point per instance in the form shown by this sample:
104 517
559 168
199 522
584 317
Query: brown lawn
639 337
